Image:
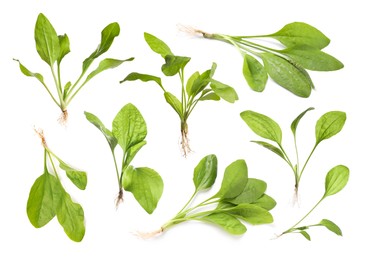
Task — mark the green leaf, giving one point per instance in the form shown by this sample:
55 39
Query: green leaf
143 77
305 234
66 89
200 83
71 217
174 103
191 81
329 125
157 45
79 178
287 75
47 41
265 202
104 65
312 58
229 223
336 179
129 127
132 151
112 141
224 91
210 96
331 226
254 73
252 214
271 147
146 186
43 200
299 33
234 180
108 34
253 191
205 173
64 47
174 64
297 119
28 73
262 125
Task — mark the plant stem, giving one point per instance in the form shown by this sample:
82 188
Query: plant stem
59 90
187 203
116 168
308 158
53 166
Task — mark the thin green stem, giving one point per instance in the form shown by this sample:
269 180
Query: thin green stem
116 168
308 159
45 160
58 87
53 166
75 84
74 94
183 95
187 203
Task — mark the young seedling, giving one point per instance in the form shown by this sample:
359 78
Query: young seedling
335 181
52 48
327 126
48 198
239 198
301 50
199 87
129 131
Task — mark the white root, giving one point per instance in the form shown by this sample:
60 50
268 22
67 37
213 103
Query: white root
148 235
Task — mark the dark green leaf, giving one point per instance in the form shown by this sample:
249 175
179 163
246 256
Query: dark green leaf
224 91
64 47
252 214
312 58
262 125
28 73
229 223
174 103
71 217
79 178
297 119
253 191
254 73
299 33
108 34
205 173
132 151
129 127
104 65
305 234
336 179
287 75
265 202
190 82
157 45
143 77
234 180
47 41
329 125
43 200
146 186
271 147
112 141
331 226
174 64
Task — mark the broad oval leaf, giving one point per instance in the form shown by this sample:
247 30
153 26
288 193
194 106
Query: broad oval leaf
312 58
287 75
253 191
265 202
210 96
254 73
190 82
79 178
174 103
229 223
331 226
174 64
132 151
234 180
145 184
224 91
47 41
205 173
112 141
129 127
336 179
262 125
71 217
252 214
299 33
44 198
297 119
329 125
64 47
271 147
143 77
157 45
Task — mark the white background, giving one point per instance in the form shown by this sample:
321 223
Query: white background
215 127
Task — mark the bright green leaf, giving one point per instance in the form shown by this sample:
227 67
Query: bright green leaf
254 190
157 45
190 82
143 77
297 119
79 178
331 226
305 234
224 91
129 127
229 223
336 179
252 214
210 96
271 147
262 125
265 202
146 186
254 73
174 64
174 103
132 151
28 73
64 47
205 173
329 125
